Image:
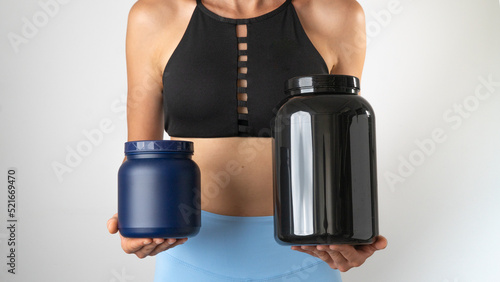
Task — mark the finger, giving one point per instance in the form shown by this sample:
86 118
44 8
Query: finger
298 248
309 248
177 242
158 241
339 260
324 256
132 245
112 224
167 245
146 250
350 254
160 248
381 243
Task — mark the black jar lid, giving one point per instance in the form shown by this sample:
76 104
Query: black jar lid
322 83
158 146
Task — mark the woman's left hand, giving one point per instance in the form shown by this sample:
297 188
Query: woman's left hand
344 257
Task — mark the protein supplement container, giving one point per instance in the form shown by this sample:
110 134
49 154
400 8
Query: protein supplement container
324 158
159 190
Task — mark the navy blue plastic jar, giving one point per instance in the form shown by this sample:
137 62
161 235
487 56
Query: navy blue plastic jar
159 190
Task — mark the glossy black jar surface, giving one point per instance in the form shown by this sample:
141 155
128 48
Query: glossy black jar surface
324 162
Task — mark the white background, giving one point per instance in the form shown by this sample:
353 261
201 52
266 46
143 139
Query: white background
440 210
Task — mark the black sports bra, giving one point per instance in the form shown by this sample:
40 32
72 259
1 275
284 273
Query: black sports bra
203 79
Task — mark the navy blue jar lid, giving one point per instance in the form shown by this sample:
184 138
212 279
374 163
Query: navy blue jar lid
158 146
322 83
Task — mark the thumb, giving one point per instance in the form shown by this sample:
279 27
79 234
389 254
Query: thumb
381 243
112 224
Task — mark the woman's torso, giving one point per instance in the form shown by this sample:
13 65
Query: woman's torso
236 175
236 172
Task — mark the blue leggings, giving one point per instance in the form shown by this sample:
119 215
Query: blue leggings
238 248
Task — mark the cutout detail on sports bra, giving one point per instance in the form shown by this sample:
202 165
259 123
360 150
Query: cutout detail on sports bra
242 94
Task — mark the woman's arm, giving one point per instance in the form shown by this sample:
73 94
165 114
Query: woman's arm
349 42
337 30
340 32
144 77
144 102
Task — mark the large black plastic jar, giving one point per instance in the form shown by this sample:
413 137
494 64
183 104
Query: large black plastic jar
324 159
159 190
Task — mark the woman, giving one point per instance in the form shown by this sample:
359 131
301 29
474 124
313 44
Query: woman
211 72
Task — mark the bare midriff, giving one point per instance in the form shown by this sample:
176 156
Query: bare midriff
236 174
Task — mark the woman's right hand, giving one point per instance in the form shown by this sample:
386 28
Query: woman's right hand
143 247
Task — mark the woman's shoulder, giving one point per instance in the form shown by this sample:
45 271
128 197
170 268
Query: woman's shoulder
331 10
351 5
336 27
155 27
159 14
